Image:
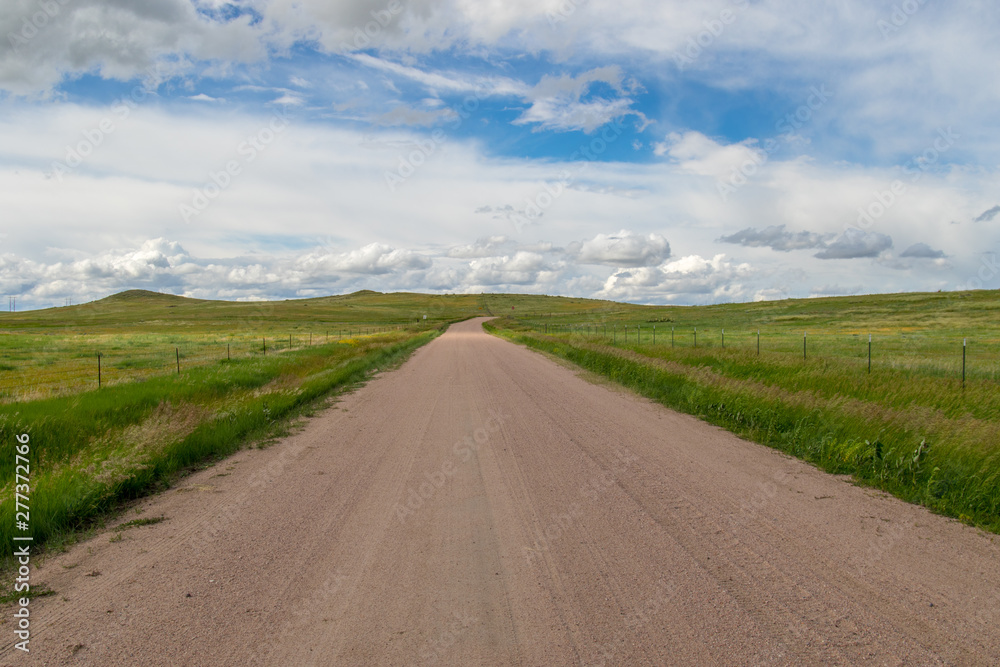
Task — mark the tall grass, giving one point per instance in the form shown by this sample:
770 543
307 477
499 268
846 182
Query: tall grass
921 438
91 451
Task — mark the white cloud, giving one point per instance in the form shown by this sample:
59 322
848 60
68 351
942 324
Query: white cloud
697 154
694 277
318 181
523 268
159 264
374 258
482 86
622 249
290 100
115 39
556 101
486 247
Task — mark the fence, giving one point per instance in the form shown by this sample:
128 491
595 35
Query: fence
928 353
42 366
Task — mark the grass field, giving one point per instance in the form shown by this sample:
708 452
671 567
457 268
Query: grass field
54 352
908 426
139 335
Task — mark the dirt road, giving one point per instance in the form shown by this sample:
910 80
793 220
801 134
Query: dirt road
483 505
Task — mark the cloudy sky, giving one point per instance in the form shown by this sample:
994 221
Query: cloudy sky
658 151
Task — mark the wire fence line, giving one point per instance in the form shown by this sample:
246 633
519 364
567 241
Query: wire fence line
930 353
38 368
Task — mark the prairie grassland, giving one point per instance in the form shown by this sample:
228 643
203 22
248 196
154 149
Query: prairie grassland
140 335
909 426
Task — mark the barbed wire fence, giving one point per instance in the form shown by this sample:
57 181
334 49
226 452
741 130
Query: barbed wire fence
34 367
919 352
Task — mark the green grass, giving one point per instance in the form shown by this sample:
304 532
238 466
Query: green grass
36 591
147 521
909 427
54 352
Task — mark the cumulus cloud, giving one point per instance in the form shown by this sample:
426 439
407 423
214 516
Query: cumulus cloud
693 276
522 268
160 264
374 259
623 249
922 251
117 40
486 247
698 154
776 238
156 264
854 244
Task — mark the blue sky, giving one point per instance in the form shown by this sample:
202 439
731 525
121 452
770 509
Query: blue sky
657 152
